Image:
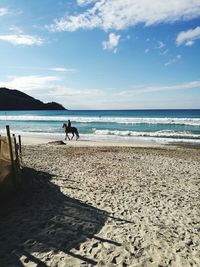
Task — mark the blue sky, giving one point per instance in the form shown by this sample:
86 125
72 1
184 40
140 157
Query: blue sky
103 54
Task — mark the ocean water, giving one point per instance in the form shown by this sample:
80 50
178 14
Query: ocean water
159 126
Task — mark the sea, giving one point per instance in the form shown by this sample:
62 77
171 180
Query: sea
143 126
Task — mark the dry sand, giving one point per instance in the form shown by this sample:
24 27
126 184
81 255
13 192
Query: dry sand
104 206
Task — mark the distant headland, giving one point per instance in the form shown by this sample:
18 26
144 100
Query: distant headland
11 99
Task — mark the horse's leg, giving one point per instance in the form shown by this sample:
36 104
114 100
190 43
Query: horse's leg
77 135
72 136
67 136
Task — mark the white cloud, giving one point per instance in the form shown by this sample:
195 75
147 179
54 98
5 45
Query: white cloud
62 91
173 60
52 88
34 82
16 29
30 83
110 99
3 11
81 98
164 52
189 43
60 69
112 43
85 2
188 37
57 69
120 14
160 45
149 89
22 39
146 50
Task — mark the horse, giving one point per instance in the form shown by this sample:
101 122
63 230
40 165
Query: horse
72 130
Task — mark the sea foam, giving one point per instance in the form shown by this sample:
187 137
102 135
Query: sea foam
122 120
164 133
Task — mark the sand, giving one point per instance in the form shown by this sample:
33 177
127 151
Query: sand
104 206
43 139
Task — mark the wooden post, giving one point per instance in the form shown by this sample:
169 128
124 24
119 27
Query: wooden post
11 155
16 149
0 146
20 145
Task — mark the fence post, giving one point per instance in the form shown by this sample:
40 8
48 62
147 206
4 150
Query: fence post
16 149
0 146
11 155
20 145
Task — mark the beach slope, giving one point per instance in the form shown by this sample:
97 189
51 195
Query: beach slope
105 206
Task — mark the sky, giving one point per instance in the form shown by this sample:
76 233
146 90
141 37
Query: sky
103 54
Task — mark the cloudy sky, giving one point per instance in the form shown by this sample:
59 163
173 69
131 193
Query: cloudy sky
103 54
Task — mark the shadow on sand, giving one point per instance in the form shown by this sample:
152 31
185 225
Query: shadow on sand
42 219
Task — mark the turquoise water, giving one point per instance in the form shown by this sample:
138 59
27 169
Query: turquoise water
163 126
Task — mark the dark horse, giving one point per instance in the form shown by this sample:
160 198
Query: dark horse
72 130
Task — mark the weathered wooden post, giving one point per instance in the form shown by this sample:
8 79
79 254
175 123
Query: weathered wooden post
16 148
0 146
20 145
11 155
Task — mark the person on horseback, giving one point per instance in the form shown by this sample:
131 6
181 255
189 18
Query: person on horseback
69 125
69 129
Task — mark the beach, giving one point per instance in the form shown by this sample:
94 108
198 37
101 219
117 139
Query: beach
100 205
100 133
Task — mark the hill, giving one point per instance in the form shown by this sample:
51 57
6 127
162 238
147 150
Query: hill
17 100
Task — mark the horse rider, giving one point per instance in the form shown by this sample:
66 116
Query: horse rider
69 124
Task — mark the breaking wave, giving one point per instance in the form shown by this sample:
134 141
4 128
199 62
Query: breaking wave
173 121
164 134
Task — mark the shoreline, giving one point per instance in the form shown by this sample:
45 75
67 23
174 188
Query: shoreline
33 140
43 140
